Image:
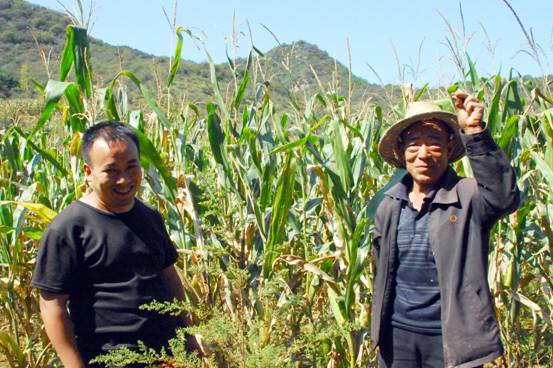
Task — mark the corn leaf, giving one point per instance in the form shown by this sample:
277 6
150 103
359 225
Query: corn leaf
109 100
45 213
67 53
175 62
473 74
281 207
243 84
149 151
494 115
215 86
81 60
379 196
54 92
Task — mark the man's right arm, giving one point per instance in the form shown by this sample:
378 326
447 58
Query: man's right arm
53 309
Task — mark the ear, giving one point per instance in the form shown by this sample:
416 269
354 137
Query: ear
400 151
87 170
449 147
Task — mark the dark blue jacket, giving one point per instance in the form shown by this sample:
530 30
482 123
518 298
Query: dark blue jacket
461 217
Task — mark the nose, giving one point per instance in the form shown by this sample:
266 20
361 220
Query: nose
423 151
122 179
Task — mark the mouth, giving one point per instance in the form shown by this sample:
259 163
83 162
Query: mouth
124 192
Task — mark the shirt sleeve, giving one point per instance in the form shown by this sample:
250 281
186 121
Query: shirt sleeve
498 193
169 249
56 264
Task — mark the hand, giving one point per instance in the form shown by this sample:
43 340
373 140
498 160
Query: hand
470 112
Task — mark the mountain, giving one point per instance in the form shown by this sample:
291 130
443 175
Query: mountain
32 38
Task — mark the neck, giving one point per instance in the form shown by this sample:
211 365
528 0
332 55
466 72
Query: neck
421 188
418 193
93 200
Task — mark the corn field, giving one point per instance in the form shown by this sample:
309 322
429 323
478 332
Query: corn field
271 211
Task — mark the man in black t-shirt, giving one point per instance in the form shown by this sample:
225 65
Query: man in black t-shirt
104 256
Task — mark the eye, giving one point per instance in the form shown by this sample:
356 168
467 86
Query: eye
110 171
412 147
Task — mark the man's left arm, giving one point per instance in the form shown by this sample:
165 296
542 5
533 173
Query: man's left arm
173 284
496 178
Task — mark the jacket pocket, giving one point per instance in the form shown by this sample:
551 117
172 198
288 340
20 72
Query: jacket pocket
472 331
479 306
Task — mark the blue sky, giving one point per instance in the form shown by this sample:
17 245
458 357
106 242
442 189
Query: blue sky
413 28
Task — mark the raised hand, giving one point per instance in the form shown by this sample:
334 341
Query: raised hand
470 112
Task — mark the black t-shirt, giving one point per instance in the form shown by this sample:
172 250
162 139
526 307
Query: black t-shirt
109 265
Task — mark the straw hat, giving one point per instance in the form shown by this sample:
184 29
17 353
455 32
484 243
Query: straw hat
419 111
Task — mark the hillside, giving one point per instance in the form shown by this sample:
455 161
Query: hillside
32 37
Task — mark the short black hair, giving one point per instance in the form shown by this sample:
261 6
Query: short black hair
110 131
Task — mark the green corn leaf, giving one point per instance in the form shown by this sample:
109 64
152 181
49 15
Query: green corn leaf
54 92
45 155
289 146
279 128
45 213
337 189
335 307
545 170
243 84
6 229
266 185
149 152
341 156
81 51
513 102
473 74
356 263
175 63
109 100
217 142
39 87
11 347
67 53
215 86
301 141
76 110
281 207
216 136
421 93
454 87
494 116
251 140
379 196
259 52
230 61
510 131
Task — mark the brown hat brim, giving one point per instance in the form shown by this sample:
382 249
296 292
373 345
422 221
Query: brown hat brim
389 144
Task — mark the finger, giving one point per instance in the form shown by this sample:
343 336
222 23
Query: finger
459 99
460 94
471 103
469 99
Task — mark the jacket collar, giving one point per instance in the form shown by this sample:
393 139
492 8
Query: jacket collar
446 192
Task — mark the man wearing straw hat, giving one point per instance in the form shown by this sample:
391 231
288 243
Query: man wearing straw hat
432 305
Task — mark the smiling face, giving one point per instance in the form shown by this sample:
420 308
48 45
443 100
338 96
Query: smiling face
113 171
425 148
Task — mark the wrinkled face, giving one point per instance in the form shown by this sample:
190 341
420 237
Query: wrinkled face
114 174
425 148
